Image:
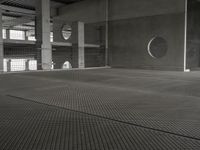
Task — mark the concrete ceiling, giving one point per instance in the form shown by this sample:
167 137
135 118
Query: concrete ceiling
30 4
21 8
19 14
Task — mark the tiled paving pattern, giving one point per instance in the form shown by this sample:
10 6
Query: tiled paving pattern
100 109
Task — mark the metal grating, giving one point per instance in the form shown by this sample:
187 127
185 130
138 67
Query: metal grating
27 125
131 98
95 93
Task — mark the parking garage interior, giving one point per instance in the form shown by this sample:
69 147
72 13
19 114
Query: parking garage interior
99 75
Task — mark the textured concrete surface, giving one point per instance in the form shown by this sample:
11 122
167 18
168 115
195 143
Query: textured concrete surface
132 25
129 39
106 109
193 35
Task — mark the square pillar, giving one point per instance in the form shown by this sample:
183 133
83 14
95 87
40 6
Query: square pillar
26 36
9 65
78 45
43 43
1 43
7 34
27 65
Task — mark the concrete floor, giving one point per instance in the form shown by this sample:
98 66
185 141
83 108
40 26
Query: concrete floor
103 109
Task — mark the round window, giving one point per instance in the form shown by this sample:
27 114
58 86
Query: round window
67 65
157 47
66 32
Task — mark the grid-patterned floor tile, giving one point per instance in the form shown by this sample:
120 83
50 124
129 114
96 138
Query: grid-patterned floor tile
100 109
29 126
171 113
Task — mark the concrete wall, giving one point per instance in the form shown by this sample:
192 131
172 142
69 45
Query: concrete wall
129 38
132 24
94 57
125 9
92 13
88 11
60 55
94 32
193 35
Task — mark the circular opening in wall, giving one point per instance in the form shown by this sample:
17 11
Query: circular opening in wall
67 65
157 47
66 31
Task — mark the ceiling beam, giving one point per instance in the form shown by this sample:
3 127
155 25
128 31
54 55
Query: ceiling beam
16 22
17 10
66 2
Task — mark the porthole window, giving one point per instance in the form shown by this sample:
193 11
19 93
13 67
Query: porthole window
157 47
67 65
66 31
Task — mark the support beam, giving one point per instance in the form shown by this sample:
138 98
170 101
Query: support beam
27 65
7 34
106 33
185 38
66 2
17 10
9 65
26 36
16 22
78 44
1 43
44 55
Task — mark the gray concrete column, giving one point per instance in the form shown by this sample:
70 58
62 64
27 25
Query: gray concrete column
7 34
78 44
44 48
27 65
9 65
26 36
1 42
106 33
